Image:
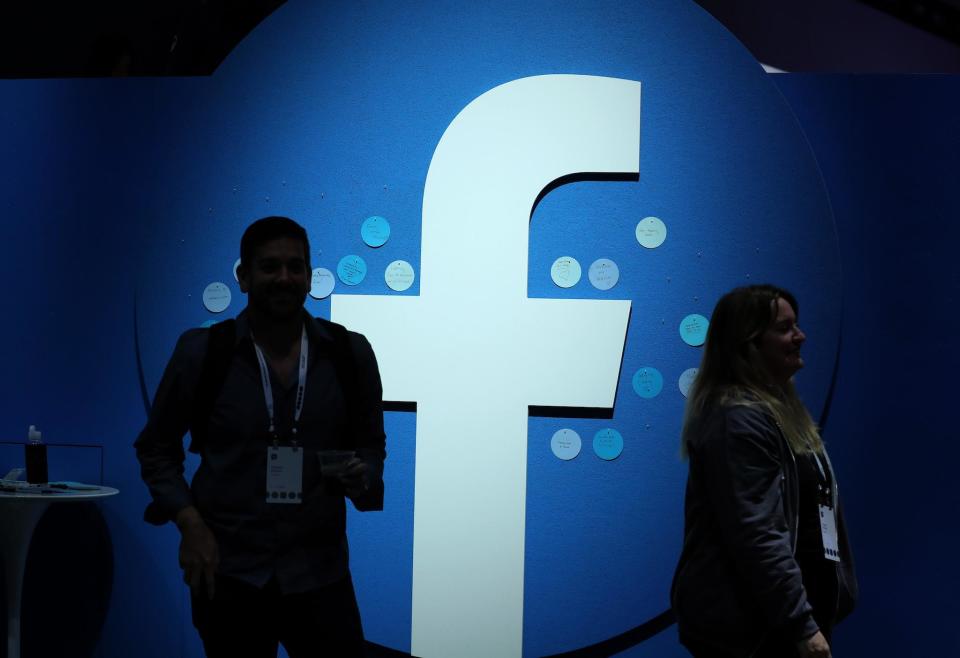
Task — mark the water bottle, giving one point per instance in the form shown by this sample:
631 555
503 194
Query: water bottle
36 457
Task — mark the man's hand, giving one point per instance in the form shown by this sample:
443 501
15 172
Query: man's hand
199 555
355 478
814 646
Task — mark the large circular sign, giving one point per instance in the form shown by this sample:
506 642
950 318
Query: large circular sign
343 116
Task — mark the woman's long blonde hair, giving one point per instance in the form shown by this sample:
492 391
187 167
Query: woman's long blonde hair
732 373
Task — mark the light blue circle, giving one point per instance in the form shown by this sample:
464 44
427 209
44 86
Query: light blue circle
565 271
351 270
647 382
375 231
216 297
399 275
603 274
565 444
686 380
693 329
321 283
651 232
608 444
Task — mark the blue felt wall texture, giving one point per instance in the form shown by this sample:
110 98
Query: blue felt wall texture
124 198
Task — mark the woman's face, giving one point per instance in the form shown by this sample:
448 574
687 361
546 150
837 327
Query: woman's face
780 344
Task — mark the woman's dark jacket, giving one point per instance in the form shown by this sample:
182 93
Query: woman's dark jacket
738 581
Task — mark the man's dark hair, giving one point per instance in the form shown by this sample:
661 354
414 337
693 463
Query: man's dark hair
267 229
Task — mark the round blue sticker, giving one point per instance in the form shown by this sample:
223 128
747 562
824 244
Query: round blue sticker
321 283
565 444
375 231
399 275
651 232
603 274
216 297
686 380
351 270
647 382
608 444
693 330
565 271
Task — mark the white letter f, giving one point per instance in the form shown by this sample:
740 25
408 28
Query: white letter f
474 352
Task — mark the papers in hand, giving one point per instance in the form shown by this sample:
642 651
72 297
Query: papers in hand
334 462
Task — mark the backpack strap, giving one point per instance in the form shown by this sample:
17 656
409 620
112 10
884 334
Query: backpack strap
213 373
345 367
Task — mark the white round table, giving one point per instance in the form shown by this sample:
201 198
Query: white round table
20 511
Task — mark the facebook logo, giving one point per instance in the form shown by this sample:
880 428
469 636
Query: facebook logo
474 352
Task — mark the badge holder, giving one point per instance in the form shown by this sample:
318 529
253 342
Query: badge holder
828 531
284 474
828 520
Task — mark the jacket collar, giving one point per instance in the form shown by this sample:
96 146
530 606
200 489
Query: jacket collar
316 332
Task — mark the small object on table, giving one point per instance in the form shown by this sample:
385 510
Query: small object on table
36 455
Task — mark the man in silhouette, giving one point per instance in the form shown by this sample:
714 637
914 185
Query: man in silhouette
285 412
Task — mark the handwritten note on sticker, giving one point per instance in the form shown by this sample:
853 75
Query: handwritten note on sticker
647 382
608 444
686 380
693 330
565 444
565 272
399 275
603 274
651 232
321 283
216 297
351 270
375 231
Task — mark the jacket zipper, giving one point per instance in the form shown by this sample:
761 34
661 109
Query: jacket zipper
796 489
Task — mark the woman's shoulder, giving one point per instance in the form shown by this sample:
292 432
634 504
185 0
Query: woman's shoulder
744 429
744 416
746 409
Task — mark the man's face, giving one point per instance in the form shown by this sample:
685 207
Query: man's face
278 279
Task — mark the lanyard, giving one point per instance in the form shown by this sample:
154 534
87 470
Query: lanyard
824 485
823 474
268 388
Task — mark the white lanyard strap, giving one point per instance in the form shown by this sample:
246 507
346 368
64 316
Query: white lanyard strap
301 382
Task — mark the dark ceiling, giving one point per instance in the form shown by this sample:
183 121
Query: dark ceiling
191 37
43 39
850 36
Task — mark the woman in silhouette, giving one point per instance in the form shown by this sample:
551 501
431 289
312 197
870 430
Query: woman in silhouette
766 569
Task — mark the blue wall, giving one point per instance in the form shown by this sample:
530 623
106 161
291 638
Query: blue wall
118 191
889 149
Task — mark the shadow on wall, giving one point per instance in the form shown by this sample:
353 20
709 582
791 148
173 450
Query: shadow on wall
67 583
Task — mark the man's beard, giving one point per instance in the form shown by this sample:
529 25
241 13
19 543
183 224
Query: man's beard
282 302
